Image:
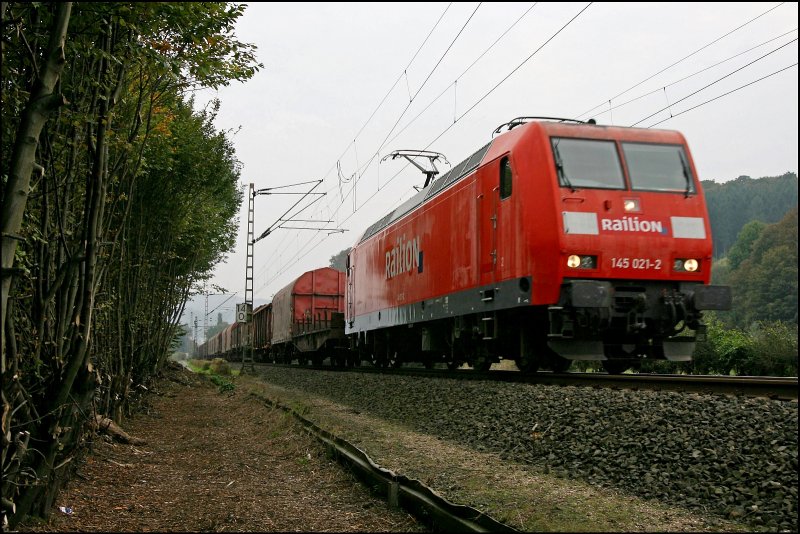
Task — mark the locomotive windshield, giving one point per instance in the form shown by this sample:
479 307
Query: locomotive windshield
587 163
658 167
595 164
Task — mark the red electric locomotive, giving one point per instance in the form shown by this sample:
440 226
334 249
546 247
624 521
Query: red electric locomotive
554 242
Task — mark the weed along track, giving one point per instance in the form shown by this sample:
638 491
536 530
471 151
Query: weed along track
547 457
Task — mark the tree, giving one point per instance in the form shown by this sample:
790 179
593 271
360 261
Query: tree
743 246
765 282
339 260
217 328
733 204
44 100
119 201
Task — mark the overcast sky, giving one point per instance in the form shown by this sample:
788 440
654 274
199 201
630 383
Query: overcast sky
345 84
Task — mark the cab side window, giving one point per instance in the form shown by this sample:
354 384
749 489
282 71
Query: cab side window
505 177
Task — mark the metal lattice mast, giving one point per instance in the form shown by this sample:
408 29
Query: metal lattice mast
244 312
205 322
247 351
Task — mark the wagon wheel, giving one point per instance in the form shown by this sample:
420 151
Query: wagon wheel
482 363
618 360
527 361
374 360
481 360
337 360
452 361
559 364
615 367
552 360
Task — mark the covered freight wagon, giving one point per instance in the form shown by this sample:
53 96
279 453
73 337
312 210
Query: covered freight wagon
308 316
262 332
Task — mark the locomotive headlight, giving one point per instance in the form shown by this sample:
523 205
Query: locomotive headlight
574 261
689 265
582 262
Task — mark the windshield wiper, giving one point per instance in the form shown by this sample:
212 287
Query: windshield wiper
686 174
562 176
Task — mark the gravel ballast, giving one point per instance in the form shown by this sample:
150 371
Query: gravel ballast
733 457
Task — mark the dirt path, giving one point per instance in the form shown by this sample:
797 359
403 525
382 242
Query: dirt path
216 462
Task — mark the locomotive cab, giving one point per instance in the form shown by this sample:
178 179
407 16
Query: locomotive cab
635 247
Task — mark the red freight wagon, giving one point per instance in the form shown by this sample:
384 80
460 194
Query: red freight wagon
262 331
553 242
226 341
308 316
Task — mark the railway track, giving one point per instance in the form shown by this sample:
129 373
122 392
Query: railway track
664 445
778 388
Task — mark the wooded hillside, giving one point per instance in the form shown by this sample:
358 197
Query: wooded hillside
733 204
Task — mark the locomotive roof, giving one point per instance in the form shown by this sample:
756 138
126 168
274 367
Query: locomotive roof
450 177
471 163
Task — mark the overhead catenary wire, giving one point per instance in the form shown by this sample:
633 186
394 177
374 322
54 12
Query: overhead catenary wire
718 80
355 182
369 162
488 93
378 107
692 75
724 94
481 99
680 60
361 169
383 100
462 75
383 143
298 257
223 302
305 250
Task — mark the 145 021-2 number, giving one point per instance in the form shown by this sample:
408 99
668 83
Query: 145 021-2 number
635 263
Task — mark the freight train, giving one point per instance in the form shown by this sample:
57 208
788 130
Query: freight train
556 241
303 323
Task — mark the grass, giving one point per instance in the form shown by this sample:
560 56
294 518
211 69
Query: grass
300 408
223 384
200 366
215 370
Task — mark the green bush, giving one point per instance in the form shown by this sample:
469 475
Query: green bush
775 349
665 367
768 349
201 365
220 366
222 384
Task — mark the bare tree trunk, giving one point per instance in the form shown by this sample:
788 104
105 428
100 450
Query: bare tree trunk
42 103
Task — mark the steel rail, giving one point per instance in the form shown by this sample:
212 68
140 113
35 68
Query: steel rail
777 388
